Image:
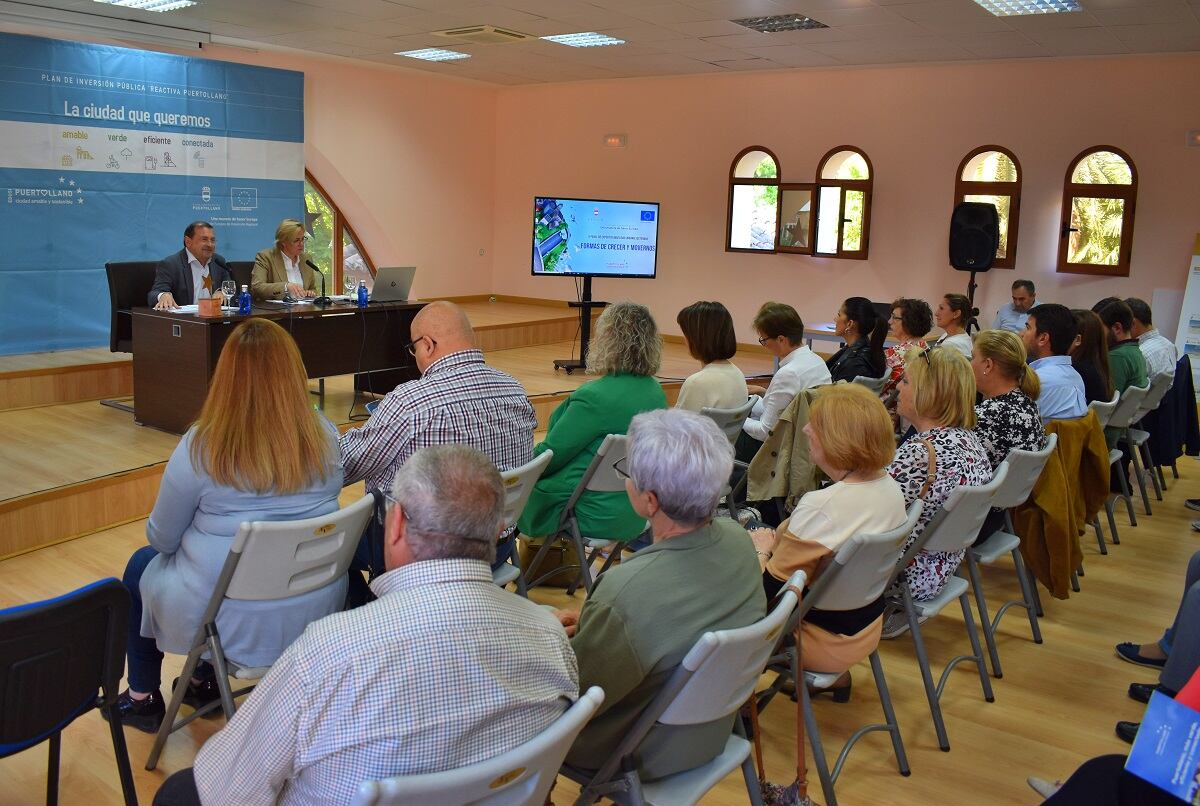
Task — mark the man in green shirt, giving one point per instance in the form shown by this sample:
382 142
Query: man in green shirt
701 573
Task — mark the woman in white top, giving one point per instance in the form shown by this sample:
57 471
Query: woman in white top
781 332
953 314
708 330
850 438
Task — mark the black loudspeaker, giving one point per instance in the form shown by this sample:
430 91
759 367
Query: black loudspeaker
974 236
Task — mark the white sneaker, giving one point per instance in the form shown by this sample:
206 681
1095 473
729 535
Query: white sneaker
1043 787
895 624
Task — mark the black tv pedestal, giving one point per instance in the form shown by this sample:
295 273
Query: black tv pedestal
585 306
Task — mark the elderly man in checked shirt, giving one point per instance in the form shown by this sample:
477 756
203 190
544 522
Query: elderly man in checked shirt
444 669
457 400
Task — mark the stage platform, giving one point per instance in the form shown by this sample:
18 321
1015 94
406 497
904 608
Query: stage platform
72 467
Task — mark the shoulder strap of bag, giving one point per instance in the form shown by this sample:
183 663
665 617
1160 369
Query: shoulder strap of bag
931 469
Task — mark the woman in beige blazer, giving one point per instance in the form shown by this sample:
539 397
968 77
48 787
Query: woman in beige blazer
281 270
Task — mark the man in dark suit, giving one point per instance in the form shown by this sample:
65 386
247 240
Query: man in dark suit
177 277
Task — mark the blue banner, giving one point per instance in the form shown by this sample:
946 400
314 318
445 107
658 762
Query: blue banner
107 153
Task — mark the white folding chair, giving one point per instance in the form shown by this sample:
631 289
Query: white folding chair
518 484
857 575
874 384
952 529
1024 469
268 560
1122 418
712 682
1104 413
1139 439
600 476
522 776
730 421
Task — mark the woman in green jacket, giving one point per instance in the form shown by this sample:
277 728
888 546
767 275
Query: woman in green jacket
626 352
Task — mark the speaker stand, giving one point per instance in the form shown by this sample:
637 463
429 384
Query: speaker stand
585 306
974 312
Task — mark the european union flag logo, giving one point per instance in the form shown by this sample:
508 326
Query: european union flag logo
647 215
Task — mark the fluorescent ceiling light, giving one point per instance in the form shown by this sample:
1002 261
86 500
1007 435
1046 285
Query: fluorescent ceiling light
150 5
100 25
587 39
780 22
434 55
1020 8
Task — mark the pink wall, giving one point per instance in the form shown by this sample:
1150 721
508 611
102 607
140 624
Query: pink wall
915 123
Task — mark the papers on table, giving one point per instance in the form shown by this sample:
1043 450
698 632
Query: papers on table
288 301
186 309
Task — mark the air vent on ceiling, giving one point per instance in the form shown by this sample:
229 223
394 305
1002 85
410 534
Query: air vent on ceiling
484 35
780 23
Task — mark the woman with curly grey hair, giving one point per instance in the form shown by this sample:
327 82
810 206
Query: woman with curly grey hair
626 353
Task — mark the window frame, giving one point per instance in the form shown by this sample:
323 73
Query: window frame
736 181
1128 193
964 188
845 185
340 227
784 187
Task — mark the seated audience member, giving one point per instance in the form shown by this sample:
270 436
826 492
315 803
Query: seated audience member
457 400
178 279
644 615
1089 356
1008 415
1125 359
1176 655
911 321
1158 350
781 332
953 315
1011 317
281 271
864 332
235 464
708 330
364 694
626 352
937 395
1048 336
850 439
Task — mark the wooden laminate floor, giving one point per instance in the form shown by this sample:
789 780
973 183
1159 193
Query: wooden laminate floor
1054 708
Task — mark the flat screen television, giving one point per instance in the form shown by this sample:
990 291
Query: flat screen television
594 237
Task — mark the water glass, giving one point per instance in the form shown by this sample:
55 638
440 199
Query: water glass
351 285
229 289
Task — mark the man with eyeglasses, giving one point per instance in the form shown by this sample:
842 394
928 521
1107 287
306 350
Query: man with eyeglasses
1048 335
457 400
180 278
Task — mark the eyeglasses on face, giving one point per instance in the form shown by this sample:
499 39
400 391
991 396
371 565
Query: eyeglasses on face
412 345
621 466
763 340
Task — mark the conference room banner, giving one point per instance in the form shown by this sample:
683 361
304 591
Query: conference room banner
107 153
1187 336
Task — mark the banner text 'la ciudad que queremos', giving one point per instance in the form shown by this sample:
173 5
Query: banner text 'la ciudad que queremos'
107 153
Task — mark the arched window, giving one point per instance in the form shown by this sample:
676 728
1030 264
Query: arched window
844 178
753 201
992 175
1099 195
334 246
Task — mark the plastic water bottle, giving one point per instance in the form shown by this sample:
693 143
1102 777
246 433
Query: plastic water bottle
244 301
362 293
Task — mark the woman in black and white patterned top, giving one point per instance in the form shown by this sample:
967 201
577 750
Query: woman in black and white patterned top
937 395
1008 416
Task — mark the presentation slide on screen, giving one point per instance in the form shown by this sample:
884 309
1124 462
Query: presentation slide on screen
574 236
107 153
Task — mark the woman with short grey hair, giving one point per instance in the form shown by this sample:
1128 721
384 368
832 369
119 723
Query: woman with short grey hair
684 458
626 353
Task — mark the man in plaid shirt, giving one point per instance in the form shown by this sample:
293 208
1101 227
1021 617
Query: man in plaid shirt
458 400
444 669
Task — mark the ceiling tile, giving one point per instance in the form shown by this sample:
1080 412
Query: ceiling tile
793 56
1145 14
1079 41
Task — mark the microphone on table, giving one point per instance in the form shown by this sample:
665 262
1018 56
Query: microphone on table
321 300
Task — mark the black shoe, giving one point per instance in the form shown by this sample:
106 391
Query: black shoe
840 691
1140 692
201 694
1192 503
144 715
1127 731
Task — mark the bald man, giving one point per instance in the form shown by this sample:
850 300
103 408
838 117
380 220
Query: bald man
457 400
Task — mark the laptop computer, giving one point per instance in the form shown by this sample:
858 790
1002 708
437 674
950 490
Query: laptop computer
392 283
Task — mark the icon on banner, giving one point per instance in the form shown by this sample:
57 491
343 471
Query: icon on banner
83 154
199 158
206 194
244 198
126 153
112 162
167 162
67 161
151 162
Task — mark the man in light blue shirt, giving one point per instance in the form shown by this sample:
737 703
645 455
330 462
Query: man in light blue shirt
1048 335
1012 317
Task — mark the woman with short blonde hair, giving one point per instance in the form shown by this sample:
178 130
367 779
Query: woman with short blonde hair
282 271
257 452
626 353
937 395
850 438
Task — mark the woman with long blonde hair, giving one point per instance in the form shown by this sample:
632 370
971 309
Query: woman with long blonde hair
1007 417
257 452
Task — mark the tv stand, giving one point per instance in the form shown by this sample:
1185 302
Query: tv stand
585 306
